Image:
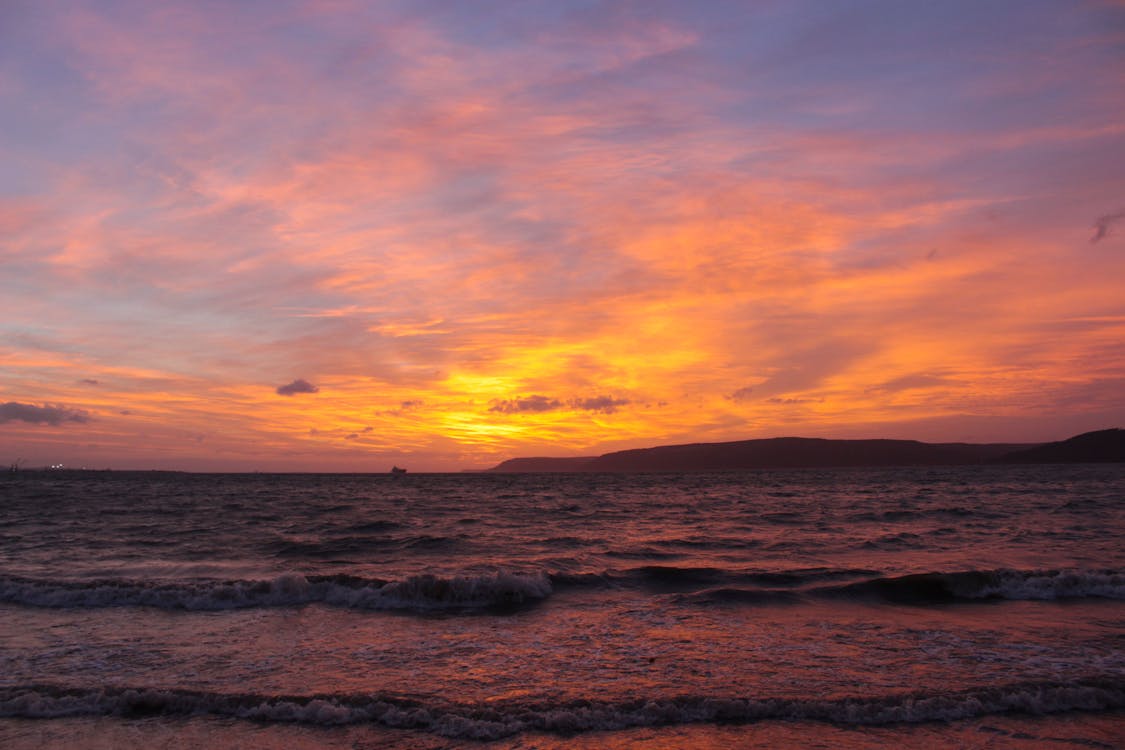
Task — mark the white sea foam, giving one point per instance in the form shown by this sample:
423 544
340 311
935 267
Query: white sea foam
1053 584
495 721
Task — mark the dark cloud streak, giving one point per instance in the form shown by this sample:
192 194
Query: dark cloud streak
297 386
46 414
536 404
911 382
742 394
1102 225
603 404
531 404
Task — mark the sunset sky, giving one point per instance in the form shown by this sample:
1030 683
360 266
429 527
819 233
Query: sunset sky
343 235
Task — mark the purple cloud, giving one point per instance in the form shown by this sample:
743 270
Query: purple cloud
535 404
297 386
1102 224
532 404
742 394
909 382
603 404
46 414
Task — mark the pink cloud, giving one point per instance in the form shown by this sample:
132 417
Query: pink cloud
601 209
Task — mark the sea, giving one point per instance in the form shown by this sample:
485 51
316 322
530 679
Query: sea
967 607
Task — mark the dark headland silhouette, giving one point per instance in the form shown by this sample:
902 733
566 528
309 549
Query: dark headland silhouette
1103 446
799 453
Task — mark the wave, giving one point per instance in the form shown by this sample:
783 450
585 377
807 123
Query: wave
504 591
351 546
671 577
926 588
675 578
323 549
370 527
712 586
420 592
497 720
739 596
902 540
899 514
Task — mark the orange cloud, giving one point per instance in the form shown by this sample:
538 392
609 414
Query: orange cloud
612 230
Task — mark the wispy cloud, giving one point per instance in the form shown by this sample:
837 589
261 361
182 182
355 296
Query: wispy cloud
539 225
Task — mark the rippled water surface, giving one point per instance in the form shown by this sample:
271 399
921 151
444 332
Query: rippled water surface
976 606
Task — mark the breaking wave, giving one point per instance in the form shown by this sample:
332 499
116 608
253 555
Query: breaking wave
510 591
421 592
497 720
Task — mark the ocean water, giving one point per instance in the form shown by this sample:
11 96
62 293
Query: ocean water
949 607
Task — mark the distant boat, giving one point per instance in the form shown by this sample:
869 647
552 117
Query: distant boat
397 471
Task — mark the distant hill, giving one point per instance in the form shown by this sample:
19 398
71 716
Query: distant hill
771 453
1102 446
792 452
542 465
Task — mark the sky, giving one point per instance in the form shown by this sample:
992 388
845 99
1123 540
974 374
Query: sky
337 236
